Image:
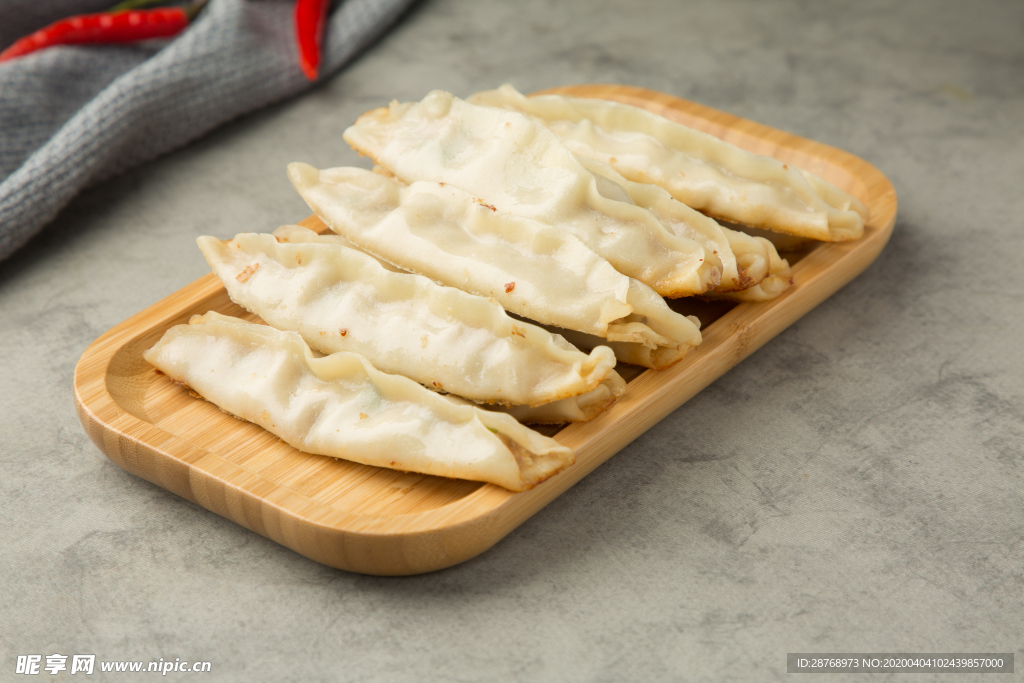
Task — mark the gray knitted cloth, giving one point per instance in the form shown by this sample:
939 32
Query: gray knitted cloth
73 115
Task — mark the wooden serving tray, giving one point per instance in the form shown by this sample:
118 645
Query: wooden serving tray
377 521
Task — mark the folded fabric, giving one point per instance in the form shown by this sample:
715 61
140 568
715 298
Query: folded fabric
73 115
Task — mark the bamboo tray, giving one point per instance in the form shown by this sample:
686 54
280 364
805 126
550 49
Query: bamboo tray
376 521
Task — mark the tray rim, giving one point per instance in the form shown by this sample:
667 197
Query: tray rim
415 542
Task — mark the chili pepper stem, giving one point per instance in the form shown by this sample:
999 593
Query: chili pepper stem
192 9
134 4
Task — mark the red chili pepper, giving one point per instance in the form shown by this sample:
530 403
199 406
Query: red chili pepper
310 17
104 27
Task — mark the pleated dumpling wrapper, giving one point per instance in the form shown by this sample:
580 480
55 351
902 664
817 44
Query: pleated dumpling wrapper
752 269
700 170
778 280
341 299
511 162
582 408
531 269
341 406
577 408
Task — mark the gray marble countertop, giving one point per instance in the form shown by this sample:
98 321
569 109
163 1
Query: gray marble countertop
857 485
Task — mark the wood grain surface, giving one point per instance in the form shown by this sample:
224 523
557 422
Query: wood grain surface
377 521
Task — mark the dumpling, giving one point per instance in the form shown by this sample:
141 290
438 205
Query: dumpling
512 163
341 406
341 299
580 408
698 169
752 269
626 352
775 283
533 270
746 260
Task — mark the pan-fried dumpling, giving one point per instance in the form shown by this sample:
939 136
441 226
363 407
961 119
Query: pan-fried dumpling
752 269
341 299
340 405
775 283
514 164
576 408
685 222
532 269
626 352
699 170
580 408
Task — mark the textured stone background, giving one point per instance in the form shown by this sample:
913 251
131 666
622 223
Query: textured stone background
855 485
